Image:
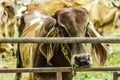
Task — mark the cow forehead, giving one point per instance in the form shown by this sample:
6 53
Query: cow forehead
73 20
71 9
81 15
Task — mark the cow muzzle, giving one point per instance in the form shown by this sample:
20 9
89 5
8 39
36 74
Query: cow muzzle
81 61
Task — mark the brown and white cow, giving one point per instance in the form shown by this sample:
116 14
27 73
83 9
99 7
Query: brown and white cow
66 22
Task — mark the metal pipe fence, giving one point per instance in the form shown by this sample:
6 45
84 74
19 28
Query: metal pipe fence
59 70
61 40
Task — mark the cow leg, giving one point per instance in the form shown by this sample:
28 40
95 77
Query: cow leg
19 64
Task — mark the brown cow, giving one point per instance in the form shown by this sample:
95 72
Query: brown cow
7 20
103 17
52 6
66 22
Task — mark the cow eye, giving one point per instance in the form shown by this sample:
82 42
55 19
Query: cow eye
8 7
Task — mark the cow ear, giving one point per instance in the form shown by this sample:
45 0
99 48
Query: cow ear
98 51
47 49
47 52
3 16
49 31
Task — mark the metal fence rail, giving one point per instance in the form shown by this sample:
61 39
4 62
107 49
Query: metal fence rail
55 69
61 40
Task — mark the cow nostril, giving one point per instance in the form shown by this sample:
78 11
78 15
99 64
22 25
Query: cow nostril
76 59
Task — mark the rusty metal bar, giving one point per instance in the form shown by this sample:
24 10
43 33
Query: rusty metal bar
36 70
116 75
102 68
55 69
59 75
61 40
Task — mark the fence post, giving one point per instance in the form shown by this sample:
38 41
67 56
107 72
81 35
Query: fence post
115 77
59 75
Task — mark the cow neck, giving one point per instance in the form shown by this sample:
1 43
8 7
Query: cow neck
64 47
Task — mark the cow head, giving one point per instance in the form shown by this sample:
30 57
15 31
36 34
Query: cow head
74 22
9 7
67 22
